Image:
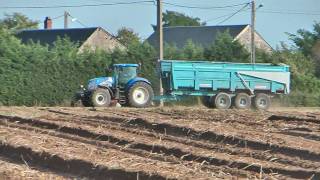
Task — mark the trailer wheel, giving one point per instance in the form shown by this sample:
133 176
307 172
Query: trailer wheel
100 98
140 95
207 101
222 101
262 101
242 101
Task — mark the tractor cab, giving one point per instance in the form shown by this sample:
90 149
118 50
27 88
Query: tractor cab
123 73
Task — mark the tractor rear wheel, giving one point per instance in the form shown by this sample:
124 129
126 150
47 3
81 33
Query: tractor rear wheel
242 101
262 101
140 95
100 98
222 101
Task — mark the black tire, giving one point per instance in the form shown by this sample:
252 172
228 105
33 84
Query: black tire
242 101
222 101
140 95
100 98
86 102
207 101
262 101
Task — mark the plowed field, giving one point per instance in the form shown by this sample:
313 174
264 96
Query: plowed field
158 143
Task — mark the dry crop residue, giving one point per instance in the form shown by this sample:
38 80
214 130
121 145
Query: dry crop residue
166 143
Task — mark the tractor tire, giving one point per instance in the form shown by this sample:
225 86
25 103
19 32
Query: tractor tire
100 98
140 95
262 101
222 101
242 101
86 102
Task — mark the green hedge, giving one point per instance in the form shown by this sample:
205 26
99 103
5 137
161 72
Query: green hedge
31 74
37 75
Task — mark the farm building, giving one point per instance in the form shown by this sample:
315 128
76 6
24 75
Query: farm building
205 36
92 38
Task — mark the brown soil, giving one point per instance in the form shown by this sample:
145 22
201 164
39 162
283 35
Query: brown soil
158 143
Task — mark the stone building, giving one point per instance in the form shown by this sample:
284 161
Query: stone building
206 35
92 38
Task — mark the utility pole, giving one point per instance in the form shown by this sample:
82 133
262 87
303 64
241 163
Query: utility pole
66 14
253 22
160 40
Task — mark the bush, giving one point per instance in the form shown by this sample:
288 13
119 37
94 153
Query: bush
32 74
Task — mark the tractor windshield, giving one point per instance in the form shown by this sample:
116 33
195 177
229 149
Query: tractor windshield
125 74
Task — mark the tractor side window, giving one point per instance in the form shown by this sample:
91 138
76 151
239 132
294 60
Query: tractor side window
127 73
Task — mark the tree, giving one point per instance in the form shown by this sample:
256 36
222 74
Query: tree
308 42
127 36
173 18
192 51
224 48
18 21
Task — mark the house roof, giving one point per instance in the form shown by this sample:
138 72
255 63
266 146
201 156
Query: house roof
202 35
48 36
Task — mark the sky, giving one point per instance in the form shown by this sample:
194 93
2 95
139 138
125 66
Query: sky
273 20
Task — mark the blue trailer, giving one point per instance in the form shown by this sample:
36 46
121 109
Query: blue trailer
222 84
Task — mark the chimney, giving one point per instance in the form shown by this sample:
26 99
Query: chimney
48 23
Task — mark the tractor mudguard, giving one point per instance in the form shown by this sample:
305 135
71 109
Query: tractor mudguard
134 80
108 88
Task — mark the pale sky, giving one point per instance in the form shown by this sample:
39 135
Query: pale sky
274 19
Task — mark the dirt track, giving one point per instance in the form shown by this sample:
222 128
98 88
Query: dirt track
179 143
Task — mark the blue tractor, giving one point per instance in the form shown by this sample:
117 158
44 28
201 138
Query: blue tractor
124 87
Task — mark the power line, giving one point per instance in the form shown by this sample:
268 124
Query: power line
219 17
78 21
74 6
288 12
203 7
241 9
58 17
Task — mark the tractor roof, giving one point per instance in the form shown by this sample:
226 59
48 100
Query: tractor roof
126 65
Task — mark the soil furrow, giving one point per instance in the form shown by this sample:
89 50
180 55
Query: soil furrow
220 138
293 118
297 173
75 167
302 135
142 150
124 125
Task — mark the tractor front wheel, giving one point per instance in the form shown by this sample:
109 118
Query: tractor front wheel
100 98
140 95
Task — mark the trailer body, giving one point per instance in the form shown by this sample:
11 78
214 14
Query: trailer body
203 78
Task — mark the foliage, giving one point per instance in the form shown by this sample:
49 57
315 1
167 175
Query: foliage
33 74
173 18
190 51
225 49
17 21
127 36
308 42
